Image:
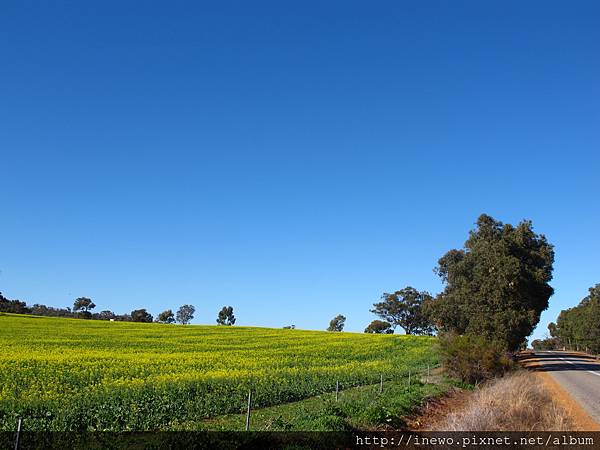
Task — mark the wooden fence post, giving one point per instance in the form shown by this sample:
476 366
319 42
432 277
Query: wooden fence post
381 384
248 410
409 379
337 391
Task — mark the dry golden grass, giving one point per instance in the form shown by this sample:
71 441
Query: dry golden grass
516 402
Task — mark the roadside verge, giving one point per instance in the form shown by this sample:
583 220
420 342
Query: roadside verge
581 419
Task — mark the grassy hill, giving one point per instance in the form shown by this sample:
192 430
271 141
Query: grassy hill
67 374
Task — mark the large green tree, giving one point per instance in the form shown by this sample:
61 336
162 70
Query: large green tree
497 285
404 308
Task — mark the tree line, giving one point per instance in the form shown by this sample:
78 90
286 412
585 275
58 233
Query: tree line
576 328
83 309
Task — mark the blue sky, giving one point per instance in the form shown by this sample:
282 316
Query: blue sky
292 159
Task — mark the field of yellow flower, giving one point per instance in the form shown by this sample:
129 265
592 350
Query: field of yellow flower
69 374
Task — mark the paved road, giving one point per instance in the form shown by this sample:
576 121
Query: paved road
578 374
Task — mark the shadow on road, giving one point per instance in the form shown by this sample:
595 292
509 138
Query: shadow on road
560 361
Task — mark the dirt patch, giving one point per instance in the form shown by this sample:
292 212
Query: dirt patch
435 410
517 402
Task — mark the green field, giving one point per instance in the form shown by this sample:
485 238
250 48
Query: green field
69 374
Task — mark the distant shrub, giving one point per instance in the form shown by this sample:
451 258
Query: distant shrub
473 358
546 344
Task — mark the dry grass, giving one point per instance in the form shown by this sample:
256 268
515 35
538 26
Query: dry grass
517 402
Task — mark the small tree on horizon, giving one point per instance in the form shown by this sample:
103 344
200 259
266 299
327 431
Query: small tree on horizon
337 323
83 304
166 316
379 327
141 315
226 316
185 314
404 308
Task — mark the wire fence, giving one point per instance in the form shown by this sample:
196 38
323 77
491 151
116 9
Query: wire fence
409 377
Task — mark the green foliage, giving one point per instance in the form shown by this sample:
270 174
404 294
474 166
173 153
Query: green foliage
329 418
579 327
497 286
546 344
337 323
226 316
81 310
43 310
362 408
105 315
379 327
166 316
141 315
83 304
185 314
404 308
13 306
472 359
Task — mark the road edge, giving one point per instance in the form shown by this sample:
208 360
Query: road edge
581 418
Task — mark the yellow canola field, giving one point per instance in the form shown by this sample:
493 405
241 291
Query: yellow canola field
70 374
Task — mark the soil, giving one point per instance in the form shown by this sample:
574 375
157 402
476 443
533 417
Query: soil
434 411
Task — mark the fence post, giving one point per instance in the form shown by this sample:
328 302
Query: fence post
248 410
428 373
409 379
19 424
381 384
337 391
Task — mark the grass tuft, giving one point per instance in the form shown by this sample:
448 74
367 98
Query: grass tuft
517 402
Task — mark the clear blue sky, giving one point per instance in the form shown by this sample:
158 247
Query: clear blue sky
292 159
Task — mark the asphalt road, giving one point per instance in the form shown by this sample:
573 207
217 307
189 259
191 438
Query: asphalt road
577 374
